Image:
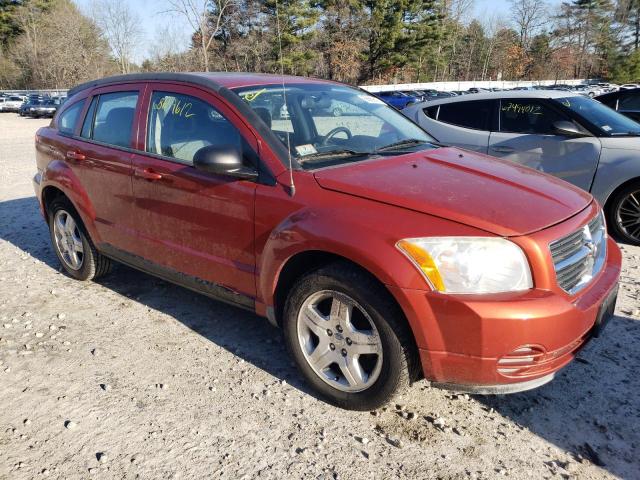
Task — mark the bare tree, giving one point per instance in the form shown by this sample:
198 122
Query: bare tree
529 16
206 18
492 26
121 27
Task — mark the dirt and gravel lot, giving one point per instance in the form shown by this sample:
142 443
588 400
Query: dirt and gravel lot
133 377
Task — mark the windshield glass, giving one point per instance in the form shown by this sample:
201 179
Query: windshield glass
324 124
608 121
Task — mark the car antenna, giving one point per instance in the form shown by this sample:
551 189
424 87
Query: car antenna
292 186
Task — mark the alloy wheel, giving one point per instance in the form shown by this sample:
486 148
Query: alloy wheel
628 215
68 240
340 341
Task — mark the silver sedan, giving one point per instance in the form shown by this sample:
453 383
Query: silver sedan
561 133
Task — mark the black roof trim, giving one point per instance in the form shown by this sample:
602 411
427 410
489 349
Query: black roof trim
203 80
195 78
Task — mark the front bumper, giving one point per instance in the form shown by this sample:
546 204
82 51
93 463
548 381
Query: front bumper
508 342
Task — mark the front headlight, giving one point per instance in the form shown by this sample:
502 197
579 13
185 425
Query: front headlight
469 264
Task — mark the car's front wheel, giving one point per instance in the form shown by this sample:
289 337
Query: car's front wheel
624 214
72 244
348 338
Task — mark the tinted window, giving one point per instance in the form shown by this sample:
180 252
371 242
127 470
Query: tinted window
180 125
87 126
609 100
476 114
607 121
114 118
629 102
432 112
68 119
527 115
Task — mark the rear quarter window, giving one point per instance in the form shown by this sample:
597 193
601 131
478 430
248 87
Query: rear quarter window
476 115
68 119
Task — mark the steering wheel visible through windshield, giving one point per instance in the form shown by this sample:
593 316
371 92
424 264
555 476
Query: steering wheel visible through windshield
324 124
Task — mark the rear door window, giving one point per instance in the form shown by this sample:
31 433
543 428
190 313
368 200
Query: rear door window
179 125
629 102
476 114
114 117
528 115
69 118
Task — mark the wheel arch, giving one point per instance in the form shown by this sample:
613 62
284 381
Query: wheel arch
307 261
614 192
60 181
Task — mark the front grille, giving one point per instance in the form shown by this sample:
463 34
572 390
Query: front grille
579 256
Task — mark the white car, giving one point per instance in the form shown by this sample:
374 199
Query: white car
12 104
629 86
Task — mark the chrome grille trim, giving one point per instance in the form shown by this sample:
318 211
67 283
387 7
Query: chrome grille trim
579 256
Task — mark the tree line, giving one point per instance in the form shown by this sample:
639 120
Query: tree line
52 44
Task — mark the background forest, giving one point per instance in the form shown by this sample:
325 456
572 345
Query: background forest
54 44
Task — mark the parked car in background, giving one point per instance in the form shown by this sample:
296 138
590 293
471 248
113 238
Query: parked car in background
383 256
2 100
396 99
629 86
29 105
12 104
561 133
45 108
626 101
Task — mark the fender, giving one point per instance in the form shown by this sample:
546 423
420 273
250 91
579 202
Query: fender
617 166
343 230
58 174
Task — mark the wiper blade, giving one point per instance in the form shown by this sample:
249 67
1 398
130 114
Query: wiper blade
625 134
402 143
332 153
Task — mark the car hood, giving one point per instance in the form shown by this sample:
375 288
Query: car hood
477 190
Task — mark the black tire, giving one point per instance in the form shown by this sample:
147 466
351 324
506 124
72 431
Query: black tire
613 212
94 265
399 354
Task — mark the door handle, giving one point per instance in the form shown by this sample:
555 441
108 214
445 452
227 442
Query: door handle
147 174
72 155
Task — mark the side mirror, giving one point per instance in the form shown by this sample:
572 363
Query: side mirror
223 160
570 129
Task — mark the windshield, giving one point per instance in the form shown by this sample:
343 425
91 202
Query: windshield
608 121
324 124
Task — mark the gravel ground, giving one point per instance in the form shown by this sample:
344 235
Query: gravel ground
132 377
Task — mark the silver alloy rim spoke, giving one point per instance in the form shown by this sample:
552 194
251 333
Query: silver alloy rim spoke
314 320
628 215
333 347
68 240
322 357
340 312
352 371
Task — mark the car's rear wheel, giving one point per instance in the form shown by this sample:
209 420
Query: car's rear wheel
348 338
72 244
624 214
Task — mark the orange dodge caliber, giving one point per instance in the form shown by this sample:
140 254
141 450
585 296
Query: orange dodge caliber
384 256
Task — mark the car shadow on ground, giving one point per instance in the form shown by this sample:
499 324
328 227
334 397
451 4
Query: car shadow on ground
590 409
241 332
